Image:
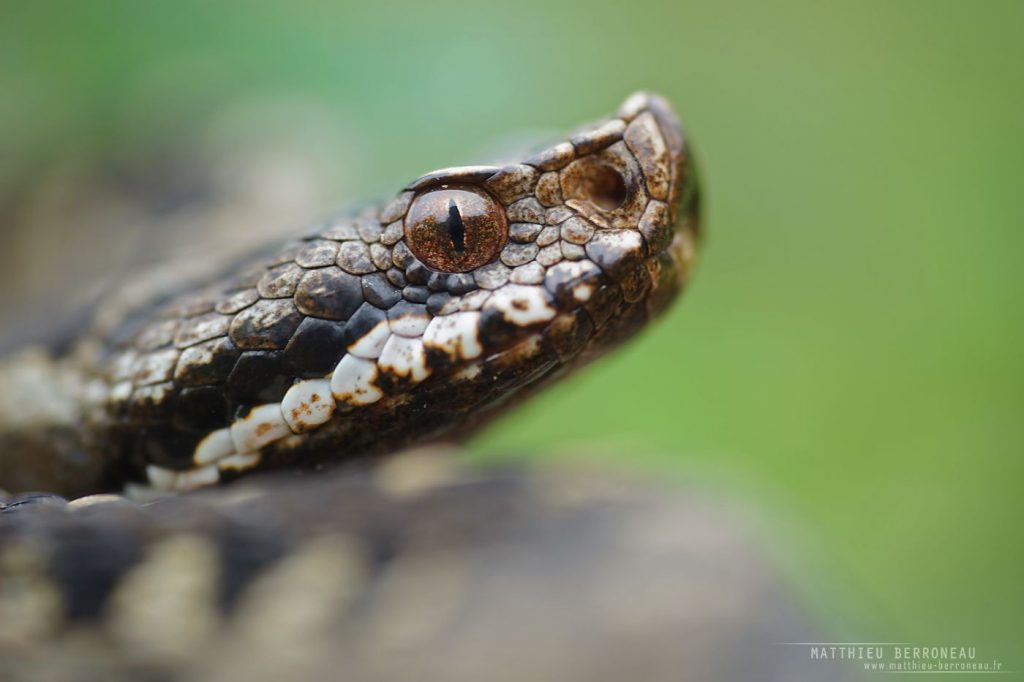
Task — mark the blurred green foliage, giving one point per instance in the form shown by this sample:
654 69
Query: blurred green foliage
849 356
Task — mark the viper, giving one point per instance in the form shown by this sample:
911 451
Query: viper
215 453
405 323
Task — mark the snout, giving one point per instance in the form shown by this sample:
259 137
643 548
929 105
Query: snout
657 139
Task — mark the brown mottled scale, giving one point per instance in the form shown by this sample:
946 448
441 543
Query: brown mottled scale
410 322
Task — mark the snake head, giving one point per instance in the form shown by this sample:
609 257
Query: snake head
588 239
416 320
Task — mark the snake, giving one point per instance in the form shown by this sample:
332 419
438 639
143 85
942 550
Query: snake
220 452
405 323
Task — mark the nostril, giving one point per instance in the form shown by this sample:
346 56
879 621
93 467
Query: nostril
595 181
604 187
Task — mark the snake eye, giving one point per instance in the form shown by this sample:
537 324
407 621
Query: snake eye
455 229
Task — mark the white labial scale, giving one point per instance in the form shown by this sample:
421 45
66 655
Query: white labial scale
583 292
263 425
162 479
308 404
214 446
239 462
404 357
458 335
409 325
197 478
474 300
522 305
353 381
372 343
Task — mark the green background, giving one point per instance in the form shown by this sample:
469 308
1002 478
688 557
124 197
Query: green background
848 360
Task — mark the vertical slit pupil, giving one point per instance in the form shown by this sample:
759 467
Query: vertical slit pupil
456 228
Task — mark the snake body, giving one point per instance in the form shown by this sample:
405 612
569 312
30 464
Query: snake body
404 324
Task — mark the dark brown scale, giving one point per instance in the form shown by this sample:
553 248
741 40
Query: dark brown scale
266 325
201 409
379 291
317 254
397 277
568 333
164 446
437 301
237 301
316 347
461 284
603 304
281 281
416 294
207 364
155 367
259 376
329 293
202 328
152 404
417 272
438 281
